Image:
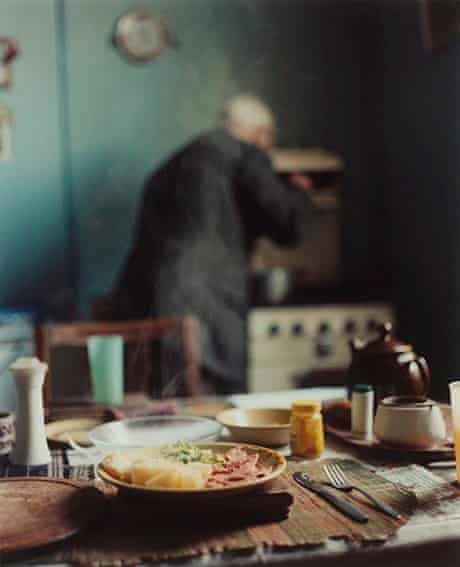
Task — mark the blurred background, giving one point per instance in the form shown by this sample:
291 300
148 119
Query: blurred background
373 85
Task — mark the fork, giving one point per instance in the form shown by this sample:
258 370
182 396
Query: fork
339 480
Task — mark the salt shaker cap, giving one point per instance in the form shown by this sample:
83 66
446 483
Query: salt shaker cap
362 388
24 363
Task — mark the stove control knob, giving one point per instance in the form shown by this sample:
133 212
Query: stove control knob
274 330
324 328
324 340
372 325
298 330
350 327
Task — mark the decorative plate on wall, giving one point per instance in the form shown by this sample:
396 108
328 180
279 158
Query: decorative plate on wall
142 35
9 50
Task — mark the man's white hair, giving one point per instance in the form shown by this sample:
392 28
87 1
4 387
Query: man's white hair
248 111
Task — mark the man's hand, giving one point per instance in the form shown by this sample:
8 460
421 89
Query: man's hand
302 182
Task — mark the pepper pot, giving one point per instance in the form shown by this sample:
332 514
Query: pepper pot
31 447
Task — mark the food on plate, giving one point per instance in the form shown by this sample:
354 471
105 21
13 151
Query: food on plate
186 466
161 473
187 453
118 466
237 466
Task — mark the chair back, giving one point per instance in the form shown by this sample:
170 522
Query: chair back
140 333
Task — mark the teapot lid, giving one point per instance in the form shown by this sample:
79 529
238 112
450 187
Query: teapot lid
385 343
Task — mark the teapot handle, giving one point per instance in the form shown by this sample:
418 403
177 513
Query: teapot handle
425 372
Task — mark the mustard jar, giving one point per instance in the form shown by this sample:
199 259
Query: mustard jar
307 433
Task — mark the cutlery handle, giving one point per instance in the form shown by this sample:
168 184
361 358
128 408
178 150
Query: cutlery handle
338 503
441 465
379 503
342 505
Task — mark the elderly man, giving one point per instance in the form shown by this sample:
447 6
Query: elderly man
200 216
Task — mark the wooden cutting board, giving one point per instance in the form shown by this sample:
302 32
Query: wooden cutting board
45 511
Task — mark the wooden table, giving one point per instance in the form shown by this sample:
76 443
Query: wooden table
429 544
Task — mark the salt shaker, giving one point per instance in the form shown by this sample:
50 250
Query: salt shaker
31 447
362 411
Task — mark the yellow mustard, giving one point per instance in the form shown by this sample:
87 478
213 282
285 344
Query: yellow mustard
307 433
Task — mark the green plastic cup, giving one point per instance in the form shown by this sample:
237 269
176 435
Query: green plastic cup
105 354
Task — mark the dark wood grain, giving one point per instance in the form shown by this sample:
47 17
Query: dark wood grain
164 533
40 511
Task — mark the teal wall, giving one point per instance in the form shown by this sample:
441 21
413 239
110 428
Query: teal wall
33 221
348 76
90 126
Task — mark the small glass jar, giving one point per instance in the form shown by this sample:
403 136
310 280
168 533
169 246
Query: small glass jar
307 433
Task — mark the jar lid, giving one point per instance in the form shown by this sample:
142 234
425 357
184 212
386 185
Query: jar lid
307 406
362 388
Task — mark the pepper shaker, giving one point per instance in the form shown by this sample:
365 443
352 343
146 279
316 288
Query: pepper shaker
31 447
362 411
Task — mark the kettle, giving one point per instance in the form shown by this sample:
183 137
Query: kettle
391 366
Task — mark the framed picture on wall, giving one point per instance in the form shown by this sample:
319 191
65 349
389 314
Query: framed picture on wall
6 119
9 50
440 23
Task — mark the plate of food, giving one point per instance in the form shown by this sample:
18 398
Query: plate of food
186 470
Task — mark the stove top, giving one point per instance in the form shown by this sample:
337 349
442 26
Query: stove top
330 294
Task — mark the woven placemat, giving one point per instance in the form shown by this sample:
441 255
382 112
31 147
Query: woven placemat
134 530
58 468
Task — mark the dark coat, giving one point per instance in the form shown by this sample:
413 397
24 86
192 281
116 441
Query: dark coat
200 215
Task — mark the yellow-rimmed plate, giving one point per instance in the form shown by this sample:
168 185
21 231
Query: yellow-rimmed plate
267 457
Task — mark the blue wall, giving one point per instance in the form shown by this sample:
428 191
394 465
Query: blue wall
33 222
90 126
348 76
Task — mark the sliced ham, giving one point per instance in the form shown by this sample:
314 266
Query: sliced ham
237 466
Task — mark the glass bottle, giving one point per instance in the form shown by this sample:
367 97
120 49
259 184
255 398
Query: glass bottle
307 432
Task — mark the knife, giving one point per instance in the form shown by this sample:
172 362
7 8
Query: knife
342 505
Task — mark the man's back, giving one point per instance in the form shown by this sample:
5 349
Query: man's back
200 214
189 234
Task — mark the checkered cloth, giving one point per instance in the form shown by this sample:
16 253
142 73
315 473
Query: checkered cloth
58 468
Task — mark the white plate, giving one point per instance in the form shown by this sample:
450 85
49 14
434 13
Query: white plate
154 430
284 398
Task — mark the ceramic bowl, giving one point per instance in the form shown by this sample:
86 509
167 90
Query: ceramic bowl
410 422
260 426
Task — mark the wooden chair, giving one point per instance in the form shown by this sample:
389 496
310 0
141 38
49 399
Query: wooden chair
50 336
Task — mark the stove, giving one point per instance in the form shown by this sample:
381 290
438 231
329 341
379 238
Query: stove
287 341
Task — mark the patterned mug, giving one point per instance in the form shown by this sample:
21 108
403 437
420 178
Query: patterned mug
6 432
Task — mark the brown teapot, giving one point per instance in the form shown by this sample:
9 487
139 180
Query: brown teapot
389 365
